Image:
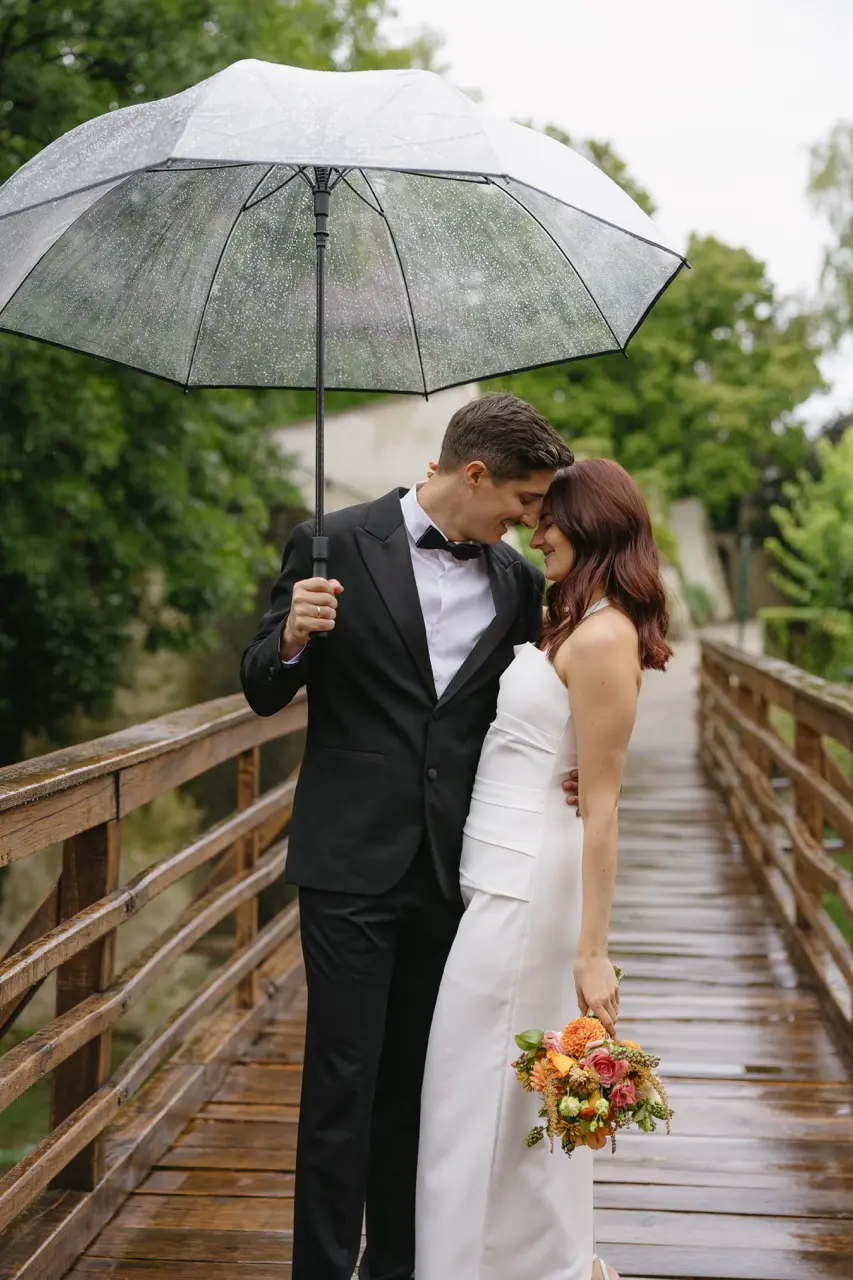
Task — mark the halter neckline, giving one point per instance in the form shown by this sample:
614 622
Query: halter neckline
594 608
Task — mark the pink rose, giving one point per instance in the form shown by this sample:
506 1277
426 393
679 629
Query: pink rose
623 1094
609 1070
553 1040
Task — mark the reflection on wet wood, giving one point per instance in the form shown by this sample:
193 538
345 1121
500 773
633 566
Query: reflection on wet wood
756 1182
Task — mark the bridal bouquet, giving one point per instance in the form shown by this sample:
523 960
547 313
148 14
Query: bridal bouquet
591 1086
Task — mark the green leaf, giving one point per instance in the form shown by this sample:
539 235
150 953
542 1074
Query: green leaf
530 1041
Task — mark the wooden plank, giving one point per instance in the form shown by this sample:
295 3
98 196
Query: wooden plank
193 1213
21 1184
814 1235
248 850
278 1113
179 1245
769 1193
90 870
185 1156
43 918
692 1262
27 828
218 1182
61 1037
141 1269
271 829
787 1201
71 767
808 749
827 708
287 1047
148 1126
143 782
275 1085
202 1132
44 954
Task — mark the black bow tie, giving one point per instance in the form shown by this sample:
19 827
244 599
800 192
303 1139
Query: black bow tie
432 540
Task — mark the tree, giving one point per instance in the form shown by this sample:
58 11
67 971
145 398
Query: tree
130 512
815 550
831 190
707 400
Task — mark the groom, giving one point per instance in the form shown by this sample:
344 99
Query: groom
422 612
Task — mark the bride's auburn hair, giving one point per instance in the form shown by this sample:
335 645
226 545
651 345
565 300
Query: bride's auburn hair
599 508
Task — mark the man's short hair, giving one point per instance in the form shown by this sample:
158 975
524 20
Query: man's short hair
507 434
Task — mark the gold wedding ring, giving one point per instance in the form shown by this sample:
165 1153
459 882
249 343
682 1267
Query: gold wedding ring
319 611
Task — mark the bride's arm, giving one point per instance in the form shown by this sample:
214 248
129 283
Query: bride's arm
601 670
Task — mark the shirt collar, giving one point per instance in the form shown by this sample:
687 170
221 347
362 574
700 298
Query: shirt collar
415 518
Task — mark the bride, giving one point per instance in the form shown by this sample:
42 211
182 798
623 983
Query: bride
537 880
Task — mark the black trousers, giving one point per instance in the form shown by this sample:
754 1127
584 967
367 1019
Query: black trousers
373 966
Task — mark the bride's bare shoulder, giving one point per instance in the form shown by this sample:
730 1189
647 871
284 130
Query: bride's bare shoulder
607 638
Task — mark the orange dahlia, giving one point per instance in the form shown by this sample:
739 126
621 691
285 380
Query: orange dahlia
540 1075
579 1033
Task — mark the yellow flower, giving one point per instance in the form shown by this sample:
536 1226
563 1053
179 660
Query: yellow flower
561 1062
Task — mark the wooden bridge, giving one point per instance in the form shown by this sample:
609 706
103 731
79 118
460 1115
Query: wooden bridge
733 919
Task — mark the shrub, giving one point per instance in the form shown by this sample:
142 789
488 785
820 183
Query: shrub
818 640
699 603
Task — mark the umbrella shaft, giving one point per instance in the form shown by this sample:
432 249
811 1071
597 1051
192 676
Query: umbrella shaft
321 236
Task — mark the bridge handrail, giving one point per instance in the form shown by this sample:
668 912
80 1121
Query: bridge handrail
779 742
78 796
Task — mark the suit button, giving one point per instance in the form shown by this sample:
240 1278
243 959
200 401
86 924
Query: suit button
432 774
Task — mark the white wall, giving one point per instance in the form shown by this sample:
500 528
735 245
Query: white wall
373 448
698 555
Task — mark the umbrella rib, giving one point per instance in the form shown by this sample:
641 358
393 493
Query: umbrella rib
222 251
250 204
19 286
78 191
393 240
359 196
560 249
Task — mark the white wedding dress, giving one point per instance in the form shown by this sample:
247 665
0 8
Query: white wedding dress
488 1207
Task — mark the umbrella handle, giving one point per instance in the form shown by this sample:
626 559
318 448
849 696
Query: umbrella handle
320 556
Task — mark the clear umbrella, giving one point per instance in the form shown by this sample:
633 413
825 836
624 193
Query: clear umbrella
187 238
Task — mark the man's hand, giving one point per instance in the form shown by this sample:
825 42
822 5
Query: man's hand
570 787
312 609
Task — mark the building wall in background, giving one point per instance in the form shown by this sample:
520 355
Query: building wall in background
698 555
373 448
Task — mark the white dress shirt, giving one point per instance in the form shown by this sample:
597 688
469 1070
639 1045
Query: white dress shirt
455 595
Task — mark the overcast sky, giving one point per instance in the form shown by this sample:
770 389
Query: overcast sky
713 107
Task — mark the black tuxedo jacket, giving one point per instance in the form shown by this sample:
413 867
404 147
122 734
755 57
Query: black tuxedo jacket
386 763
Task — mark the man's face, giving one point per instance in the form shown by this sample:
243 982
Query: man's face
494 506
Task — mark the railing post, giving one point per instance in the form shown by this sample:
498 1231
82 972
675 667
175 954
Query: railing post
90 869
761 716
705 710
248 790
809 751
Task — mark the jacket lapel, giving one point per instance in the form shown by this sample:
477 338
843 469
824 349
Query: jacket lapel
384 546
502 575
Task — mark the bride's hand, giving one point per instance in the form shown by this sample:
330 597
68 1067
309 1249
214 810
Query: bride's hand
597 990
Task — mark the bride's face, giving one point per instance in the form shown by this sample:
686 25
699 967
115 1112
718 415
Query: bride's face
555 546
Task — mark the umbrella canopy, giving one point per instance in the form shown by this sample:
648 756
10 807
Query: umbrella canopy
177 237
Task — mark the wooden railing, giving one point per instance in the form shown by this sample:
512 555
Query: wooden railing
78 798
780 744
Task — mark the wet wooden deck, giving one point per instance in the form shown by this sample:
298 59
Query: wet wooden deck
756 1182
